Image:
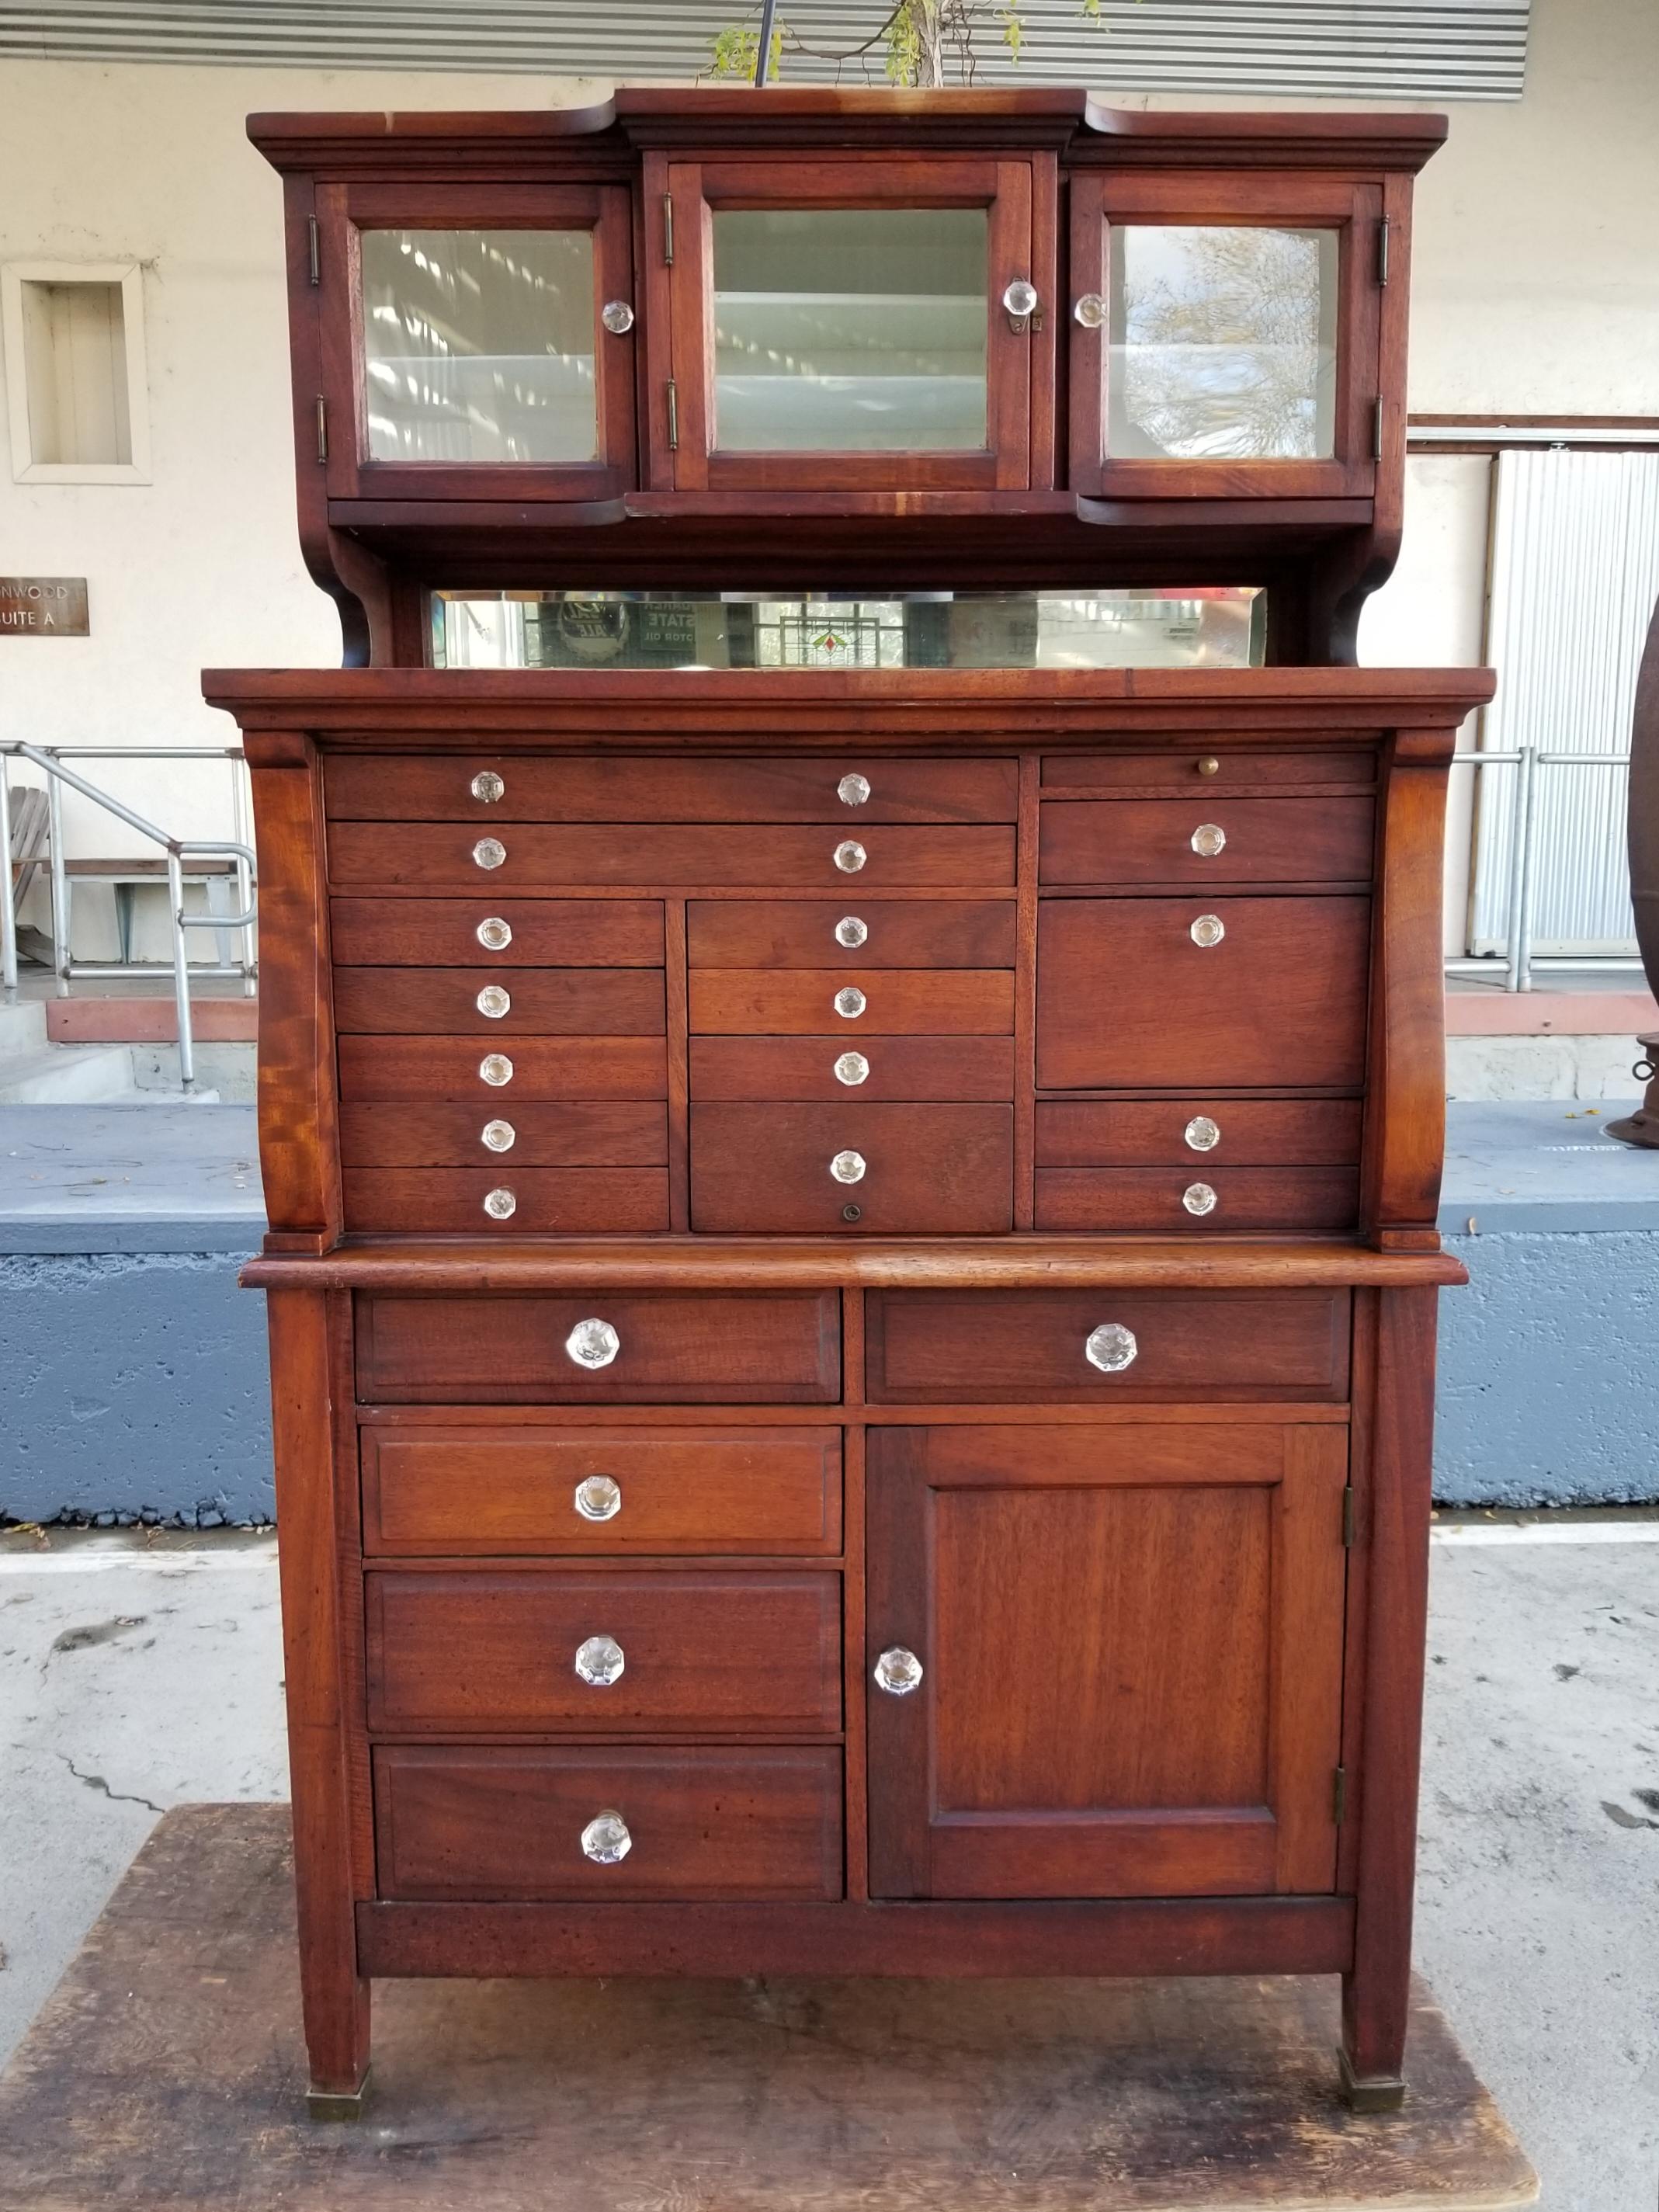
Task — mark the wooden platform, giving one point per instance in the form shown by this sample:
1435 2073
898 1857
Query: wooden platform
165 2074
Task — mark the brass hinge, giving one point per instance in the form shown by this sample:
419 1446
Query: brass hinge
668 230
1377 432
1339 1795
322 428
673 417
313 250
1382 231
1347 1518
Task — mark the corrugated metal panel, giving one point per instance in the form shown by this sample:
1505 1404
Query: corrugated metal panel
1575 572
1275 49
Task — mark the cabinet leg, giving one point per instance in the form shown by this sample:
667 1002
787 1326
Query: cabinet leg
1373 2050
337 2011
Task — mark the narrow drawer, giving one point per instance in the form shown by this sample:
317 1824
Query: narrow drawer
699 1348
892 1002
852 1168
1277 1001
442 1133
507 1823
1197 1198
522 856
488 787
1201 767
506 1201
621 1652
474 1002
982 1346
457 1490
454 933
910 1067
851 933
1206 840
1197 1131
501 1072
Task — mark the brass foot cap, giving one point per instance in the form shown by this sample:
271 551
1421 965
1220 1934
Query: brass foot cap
338 2104
1370 2093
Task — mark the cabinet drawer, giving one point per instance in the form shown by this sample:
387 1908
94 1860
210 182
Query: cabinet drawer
778 1068
1210 838
437 1134
893 1002
699 1348
896 933
664 853
506 1201
1196 1132
517 1651
944 1170
1197 767
474 1002
455 1490
506 1822
1278 1001
980 1346
1196 1197
501 1074
374 932
438 787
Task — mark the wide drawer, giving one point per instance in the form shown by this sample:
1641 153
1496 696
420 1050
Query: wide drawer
982 1346
473 1002
1267 993
440 788
883 932
513 856
391 1133
1210 838
1197 1131
507 1199
432 1491
1196 1197
945 1169
699 1348
912 1067
893 1002
508 1822
475 1068
1197 767
543 932
516 1651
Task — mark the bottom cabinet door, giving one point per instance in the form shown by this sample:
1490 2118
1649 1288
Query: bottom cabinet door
1105 1662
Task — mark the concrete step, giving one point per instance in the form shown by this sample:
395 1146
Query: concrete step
63 1075
22 1029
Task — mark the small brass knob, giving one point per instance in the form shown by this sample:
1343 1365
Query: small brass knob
1209 765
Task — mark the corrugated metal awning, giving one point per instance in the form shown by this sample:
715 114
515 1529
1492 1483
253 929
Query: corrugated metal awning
1269 49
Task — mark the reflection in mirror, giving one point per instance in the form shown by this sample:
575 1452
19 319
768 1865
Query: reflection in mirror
478 346
1222 343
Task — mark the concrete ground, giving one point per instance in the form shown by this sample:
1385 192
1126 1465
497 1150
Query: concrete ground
145 1671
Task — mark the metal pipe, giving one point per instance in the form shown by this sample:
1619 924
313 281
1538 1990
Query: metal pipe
763 49
1524 434
7 897
60 890
1522 950
180 972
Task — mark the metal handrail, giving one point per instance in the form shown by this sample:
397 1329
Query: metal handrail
178 850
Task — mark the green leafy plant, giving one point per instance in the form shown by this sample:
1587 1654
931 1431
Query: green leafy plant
922 43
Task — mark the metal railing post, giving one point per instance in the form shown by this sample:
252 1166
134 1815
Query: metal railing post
1517 925
60 890
7 897
180 971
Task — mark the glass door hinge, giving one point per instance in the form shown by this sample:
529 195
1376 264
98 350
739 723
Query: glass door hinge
322 428
1377 432
667 231
1384 230
313 250
673 417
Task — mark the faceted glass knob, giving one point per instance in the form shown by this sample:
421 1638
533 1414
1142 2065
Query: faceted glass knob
593 1344
1209 839
598 1498
1021 299
489 852
1199 1198
850 1003
495 934
1202 1133
606 1839
852 1067
1209 929
1089 311
850 857
897 1671
852 790
501 1204
495 1068
487 787
499 1136
1111 1347
851 932
494 1001
618 317
848 1167
600 1660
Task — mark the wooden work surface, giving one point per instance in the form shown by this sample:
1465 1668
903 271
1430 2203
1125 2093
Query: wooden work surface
166 2073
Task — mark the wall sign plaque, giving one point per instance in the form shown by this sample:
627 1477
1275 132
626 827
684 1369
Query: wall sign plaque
44 606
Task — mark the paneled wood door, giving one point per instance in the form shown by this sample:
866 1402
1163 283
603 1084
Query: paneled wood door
1130 1638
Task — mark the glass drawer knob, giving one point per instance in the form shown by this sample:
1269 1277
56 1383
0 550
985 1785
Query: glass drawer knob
853 790
487 787
606 1839
1089 311
496 1069
598 1498
489 852
848 1167
499 1136
1021 299
593 1344
898 1672
851 932
1209 929
852 1067
1202 1133
1209 839
1199 1198
495 934
494 1001
618 317
501 1204
850 857
850 1003
1111 1347
600 1660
